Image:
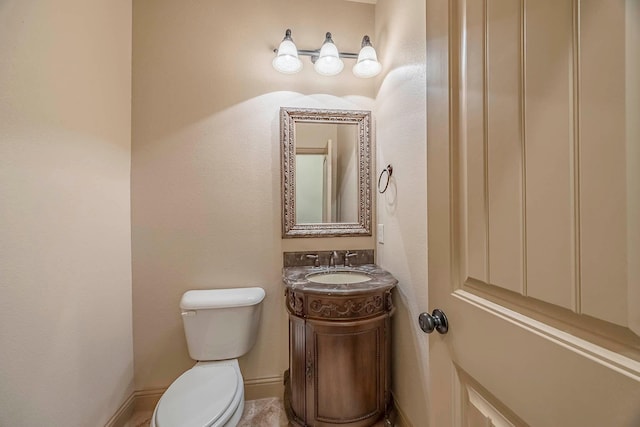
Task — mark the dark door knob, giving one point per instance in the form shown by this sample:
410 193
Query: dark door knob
437 320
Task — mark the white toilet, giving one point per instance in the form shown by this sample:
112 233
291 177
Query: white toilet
220 325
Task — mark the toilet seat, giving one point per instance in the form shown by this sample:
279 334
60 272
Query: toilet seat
206 395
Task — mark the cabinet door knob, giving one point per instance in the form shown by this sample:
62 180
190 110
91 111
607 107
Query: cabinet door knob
437 320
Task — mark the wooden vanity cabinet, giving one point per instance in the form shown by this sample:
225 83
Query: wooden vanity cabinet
339 357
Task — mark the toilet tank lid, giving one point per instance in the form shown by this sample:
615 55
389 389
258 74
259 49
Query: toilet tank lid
220 298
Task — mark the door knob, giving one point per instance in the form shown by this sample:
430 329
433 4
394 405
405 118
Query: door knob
437 320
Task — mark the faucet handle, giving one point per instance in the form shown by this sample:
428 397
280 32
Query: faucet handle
315 258
347 257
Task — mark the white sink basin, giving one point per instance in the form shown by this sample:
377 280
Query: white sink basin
338 277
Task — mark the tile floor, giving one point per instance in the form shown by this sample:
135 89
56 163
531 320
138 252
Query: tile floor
257 413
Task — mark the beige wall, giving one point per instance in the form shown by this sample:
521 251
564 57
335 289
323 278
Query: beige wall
206 160
65 263
401 137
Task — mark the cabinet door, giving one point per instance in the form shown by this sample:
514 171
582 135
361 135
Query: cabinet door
348 362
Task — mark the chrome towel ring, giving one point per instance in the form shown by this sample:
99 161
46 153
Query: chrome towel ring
389 171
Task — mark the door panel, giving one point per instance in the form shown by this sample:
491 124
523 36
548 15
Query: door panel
504 148
531 211
477 407
549 151
602 158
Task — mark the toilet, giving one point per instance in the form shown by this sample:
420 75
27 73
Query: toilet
220 325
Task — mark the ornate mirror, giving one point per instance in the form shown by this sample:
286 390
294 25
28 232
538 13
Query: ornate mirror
326 172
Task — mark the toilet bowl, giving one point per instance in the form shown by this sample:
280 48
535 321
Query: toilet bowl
220 326
211 394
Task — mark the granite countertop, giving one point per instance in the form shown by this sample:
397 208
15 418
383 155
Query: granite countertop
295 278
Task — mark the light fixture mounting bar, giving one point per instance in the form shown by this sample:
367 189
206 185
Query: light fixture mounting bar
314 54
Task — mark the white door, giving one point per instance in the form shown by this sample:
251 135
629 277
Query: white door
533 127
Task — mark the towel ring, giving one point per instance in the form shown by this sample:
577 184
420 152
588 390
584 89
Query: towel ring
389 171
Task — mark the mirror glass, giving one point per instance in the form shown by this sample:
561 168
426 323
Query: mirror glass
325 172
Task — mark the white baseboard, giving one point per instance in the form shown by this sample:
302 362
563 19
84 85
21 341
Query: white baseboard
124 412
146 400
260 388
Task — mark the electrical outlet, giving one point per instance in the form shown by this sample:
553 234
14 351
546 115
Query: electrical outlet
381 233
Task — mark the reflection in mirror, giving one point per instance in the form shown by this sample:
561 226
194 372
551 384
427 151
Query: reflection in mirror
326 173
326 182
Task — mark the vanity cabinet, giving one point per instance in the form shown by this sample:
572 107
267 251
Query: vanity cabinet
339 357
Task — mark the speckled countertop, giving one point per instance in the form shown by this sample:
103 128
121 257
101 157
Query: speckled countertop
295 278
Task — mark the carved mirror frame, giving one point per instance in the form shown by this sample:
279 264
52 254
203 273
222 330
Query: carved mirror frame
288 119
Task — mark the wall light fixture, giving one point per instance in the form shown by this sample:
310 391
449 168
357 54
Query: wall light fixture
326 60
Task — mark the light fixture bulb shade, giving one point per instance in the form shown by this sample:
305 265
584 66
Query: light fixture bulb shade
286 60
367 64
329 62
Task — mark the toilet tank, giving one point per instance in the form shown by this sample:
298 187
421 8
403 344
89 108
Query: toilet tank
221 323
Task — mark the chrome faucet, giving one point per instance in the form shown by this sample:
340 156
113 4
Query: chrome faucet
333 258
347 258
315 258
